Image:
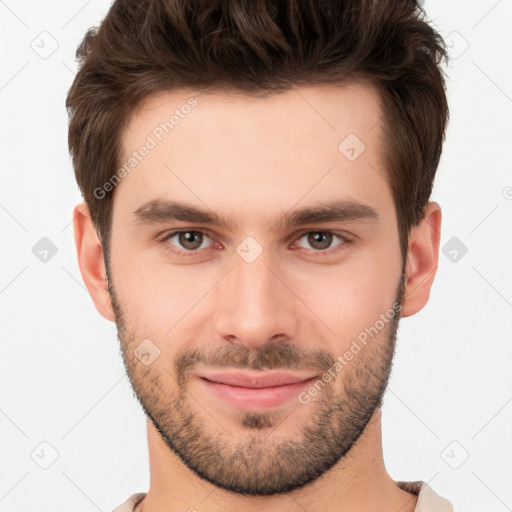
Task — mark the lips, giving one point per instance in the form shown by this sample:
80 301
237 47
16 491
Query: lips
254 391
255 380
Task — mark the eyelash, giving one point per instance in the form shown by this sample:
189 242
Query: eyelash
193 253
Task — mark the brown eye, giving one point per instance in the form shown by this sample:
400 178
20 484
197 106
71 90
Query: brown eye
321 240
188 240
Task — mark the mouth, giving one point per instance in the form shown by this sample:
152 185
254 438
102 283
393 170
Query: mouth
255 390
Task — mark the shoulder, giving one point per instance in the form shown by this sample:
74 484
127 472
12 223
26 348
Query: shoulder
428 499
130 504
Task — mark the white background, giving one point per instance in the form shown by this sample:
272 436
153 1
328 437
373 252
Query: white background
61 376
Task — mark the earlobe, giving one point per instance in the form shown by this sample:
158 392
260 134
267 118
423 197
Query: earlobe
91 260
422 260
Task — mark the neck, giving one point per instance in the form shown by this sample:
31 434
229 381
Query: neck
359 482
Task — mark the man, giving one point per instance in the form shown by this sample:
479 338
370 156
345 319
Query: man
256 221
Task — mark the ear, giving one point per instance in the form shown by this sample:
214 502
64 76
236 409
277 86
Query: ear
91 260
422 260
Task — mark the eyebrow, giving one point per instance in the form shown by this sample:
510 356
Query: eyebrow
162 211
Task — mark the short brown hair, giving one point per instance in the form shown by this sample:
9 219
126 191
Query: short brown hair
261 47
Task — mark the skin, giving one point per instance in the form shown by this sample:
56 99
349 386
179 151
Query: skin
297 306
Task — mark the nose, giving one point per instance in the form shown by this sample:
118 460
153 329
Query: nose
256 303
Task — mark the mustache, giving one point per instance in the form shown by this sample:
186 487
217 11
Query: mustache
270 356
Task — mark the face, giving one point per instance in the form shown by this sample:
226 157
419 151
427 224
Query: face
256 238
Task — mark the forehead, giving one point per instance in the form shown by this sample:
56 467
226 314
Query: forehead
305 143
319 109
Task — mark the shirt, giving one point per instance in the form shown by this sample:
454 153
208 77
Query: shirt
428 500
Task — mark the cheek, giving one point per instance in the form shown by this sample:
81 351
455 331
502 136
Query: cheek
349 297
157 297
